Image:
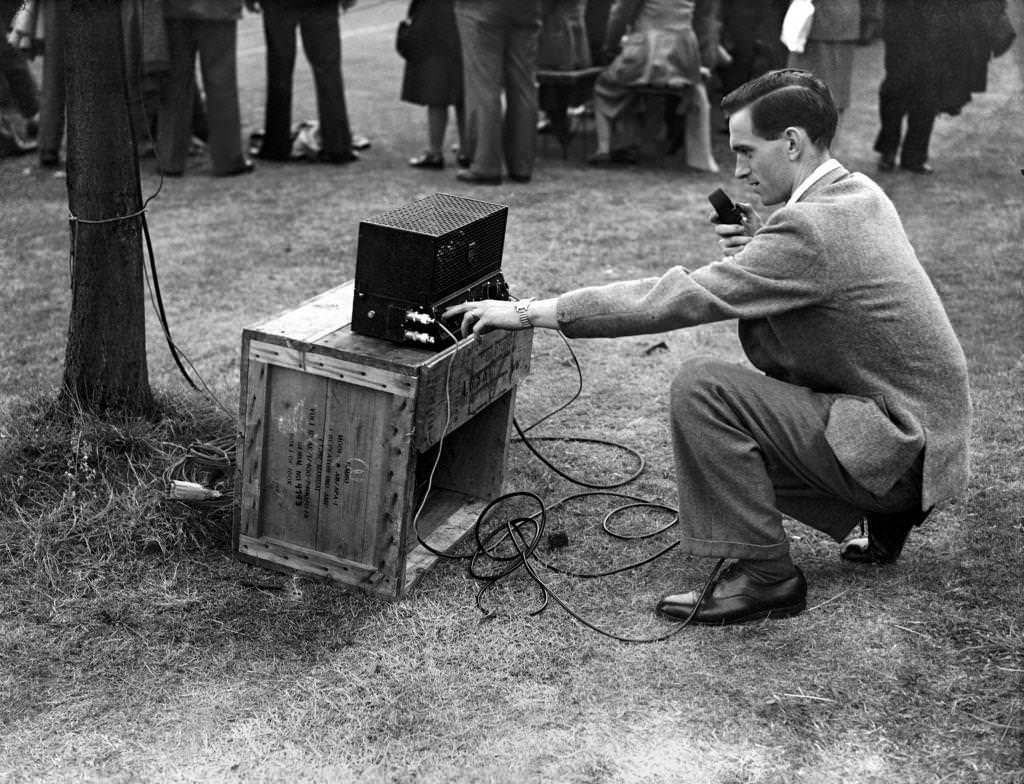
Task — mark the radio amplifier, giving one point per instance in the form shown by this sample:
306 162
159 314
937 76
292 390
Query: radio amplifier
417 260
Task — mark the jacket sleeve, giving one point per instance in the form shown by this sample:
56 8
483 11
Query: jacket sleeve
779 271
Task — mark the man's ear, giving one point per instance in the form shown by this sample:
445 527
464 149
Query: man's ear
796 140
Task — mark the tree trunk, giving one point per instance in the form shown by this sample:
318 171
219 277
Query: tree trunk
105 364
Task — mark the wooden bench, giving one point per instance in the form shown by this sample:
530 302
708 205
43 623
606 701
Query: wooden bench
565 86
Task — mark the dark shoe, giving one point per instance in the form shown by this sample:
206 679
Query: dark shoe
917 168
360 142
520 178
886 535
267 155
738 598
462 161
427 160
337 158
465 175
244 168
628 155
624 156
49 160
886 162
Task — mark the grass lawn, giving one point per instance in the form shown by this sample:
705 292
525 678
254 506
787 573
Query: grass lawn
133 647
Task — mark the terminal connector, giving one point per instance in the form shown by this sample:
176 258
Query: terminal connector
418 317
192 491
419 337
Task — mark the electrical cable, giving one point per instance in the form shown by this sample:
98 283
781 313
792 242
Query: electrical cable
504 563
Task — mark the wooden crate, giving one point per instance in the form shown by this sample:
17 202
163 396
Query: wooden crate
341 432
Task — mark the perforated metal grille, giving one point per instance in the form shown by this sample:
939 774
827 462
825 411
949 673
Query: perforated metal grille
436 215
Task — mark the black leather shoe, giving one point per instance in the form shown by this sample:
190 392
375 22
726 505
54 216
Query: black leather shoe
886 162
465 175
917 168
886 536
427 160
738 598
246 167
337 158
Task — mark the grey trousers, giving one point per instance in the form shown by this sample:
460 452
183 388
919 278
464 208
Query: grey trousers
499 52
750 449
215 42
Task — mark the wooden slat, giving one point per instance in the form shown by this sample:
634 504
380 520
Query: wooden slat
250 465
450 526
304 559
331 367
292 455
313 319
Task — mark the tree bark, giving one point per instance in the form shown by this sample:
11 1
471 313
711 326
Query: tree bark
105 363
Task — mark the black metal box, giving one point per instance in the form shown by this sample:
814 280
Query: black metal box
414 261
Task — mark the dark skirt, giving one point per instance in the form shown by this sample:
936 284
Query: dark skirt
434 76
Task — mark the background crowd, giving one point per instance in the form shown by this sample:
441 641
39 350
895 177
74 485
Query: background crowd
644 69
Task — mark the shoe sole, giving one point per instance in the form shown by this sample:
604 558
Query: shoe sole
775 612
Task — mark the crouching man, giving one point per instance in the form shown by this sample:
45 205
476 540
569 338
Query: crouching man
858 407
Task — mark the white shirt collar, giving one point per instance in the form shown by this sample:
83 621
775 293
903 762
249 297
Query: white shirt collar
828 166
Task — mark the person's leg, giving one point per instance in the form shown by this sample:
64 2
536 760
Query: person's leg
520 127
920 121
750 448
52 109
217 57
174 117
437 125
697 122
279 24
891 109
321 40
482 55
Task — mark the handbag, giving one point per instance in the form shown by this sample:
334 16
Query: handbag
406 37
796 25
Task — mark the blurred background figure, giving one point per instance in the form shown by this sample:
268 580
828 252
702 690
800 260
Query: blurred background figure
662 43
596 20
750 33
52 110
209 29
499 57
936 56
828 52
563 46
317 21
433 76
19 93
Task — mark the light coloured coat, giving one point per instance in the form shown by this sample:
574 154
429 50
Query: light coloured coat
829 295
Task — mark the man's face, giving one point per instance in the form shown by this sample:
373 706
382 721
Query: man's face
763 164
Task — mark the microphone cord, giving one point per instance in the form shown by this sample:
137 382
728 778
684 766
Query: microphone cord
512 545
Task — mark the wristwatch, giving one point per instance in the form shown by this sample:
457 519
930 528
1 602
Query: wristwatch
523 311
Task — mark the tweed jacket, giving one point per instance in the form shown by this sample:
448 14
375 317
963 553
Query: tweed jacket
829 295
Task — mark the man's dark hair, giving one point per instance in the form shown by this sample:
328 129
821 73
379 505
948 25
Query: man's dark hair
784 98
